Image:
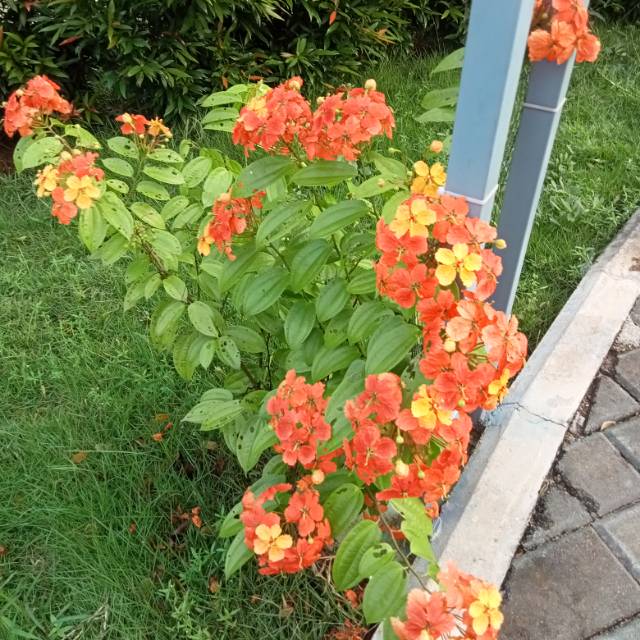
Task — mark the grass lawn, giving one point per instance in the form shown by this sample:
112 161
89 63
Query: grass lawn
91 550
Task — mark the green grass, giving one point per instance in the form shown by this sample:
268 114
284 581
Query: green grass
79 375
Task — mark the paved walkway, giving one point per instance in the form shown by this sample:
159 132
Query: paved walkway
577 573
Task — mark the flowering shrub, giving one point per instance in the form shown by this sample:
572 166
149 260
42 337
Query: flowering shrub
345 299
559 28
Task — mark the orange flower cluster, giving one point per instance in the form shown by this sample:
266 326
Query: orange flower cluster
27 107
282 120
230 218
297 417
559 28
72 184
139 125
466 600
287 542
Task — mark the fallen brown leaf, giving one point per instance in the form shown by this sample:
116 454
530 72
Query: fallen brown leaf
79 457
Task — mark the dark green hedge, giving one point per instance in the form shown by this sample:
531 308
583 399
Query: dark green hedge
161 55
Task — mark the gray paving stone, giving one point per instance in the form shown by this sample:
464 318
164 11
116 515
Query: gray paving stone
626 436
628 631
629 336
596 470
568 589
610 402
557 513
628 372
635 314
621 532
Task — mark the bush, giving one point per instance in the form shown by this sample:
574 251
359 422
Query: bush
135 51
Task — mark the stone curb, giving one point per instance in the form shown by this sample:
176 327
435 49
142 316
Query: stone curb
489 509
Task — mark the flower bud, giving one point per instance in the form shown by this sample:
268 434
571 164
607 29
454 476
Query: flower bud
317 477
421 474
436 146
381 182
399 439
370 85
499 244
449 345
401 469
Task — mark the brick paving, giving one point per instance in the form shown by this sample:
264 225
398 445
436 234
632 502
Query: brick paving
576 575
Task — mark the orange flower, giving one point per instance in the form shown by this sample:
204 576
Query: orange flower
436 146
157 128
132 124
540 45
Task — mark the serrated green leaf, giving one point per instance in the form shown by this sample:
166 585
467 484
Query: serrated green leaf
299 323
342 507
390 344
346 566
336 217
325 173
264 289
123 147
385 593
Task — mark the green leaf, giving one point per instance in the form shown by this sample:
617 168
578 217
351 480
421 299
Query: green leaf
148 214
202 318
117 185
172 208
116 214
375 558
186 354
282 220
40 152
416 526
118 166
342 508
19 151
112 250
153 284
262 173
165 244
389 167
92 228
168 175
166 155
123 147
336 217
327 361
221 97
346 566
299 323
134 293
437 115
392 204
362 281
217 183
190 215
440 98
264 289
252 441
195 171
247 339
308 262
152 190
390 343
83 138
233 270
374 186
335 332
214 413
164 322
228 352
324 173
351 385
175 288
452 61
332 299
385 593
364 320
221 115
237 555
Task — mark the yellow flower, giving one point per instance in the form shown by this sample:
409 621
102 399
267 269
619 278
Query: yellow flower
428 179
499 386
414 218
204 246
457 261
426 411
485 611
271 541
156 127
82 191
47 180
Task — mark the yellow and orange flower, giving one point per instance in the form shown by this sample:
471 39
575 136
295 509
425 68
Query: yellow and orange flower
156 127
428 178
47 180
485 611
426 410
81 191
413 217
457 261
271 541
